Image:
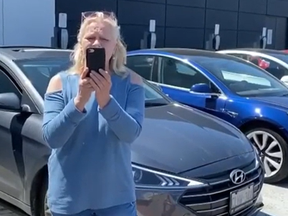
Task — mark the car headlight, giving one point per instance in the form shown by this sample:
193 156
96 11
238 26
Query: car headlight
256 152
144 177
257 158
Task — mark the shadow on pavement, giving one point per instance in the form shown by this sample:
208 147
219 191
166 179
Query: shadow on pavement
283 184
264 214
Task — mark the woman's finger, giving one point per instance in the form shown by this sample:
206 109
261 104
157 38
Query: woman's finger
97 80
94 85
85 81
105 75
89 86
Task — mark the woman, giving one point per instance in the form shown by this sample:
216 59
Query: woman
90 123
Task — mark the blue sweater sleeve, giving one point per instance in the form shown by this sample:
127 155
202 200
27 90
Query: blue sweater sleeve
126 124
59 121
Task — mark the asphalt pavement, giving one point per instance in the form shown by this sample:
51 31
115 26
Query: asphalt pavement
275 199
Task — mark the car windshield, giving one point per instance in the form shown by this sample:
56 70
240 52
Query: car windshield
242 78
39 71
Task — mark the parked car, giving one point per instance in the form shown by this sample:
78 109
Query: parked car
228 87
273 61
185 162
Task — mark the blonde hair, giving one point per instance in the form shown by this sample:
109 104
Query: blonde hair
117 61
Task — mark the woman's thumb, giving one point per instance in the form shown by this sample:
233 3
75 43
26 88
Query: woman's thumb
84 73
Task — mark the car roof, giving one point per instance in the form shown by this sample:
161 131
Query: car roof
30 52
182 52
266 51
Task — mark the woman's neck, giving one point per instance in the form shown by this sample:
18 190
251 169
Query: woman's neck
108 69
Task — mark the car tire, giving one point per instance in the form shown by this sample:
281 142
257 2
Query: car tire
41 202
275 166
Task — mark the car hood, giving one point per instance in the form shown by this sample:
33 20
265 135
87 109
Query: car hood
281 102
177 139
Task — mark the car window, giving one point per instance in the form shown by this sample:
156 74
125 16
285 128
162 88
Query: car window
7 85
272 67
185 69
40 71
143 65
177 73
242 78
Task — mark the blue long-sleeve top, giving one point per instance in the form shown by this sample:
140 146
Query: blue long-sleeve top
90 163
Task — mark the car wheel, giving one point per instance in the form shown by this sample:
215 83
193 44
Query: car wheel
41 208
273 151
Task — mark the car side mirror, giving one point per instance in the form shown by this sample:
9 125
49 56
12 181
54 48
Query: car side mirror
201 88
284 79
10 101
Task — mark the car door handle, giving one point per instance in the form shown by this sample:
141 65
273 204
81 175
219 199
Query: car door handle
230 113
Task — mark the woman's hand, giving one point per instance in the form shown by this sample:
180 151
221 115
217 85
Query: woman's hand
84 92
101 83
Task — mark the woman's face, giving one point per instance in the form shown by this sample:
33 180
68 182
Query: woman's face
100 34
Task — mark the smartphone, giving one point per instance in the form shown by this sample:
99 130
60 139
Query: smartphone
95 59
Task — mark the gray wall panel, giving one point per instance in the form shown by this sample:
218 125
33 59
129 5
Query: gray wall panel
270 22
231 5
132 35
73 27
132 40
139 13
226 19
279 36
185 17
191 3
189 38
153 1
247 39
75 7
251 22
277 8
253 6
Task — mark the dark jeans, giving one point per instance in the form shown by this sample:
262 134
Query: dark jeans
128 209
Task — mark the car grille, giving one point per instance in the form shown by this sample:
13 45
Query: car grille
214 199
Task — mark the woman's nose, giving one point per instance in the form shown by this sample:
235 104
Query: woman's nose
96 43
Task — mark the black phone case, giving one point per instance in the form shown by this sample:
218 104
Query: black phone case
95 59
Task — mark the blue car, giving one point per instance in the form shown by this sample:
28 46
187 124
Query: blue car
227 87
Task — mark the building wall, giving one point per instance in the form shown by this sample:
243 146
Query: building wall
188 23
